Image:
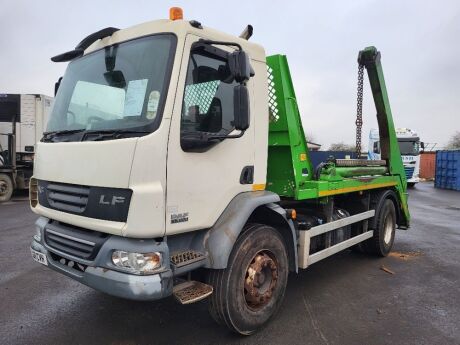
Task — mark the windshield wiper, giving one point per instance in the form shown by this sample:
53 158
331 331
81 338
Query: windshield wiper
110 134
48 136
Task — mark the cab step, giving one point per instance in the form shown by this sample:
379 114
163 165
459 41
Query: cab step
191 291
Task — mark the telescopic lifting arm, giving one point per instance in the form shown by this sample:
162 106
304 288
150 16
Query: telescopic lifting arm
370 58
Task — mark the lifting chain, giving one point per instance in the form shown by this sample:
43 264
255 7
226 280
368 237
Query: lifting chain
359 110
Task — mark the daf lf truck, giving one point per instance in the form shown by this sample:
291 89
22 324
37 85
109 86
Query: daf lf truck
175 164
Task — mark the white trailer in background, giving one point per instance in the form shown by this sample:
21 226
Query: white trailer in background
23 120
409 145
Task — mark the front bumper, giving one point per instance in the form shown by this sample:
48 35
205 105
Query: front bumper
100 273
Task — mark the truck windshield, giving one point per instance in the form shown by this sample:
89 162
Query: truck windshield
120 88
409 148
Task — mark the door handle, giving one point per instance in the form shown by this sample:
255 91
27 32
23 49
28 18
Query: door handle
247 175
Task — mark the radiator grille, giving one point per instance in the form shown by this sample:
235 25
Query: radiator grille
74 241
409 172
68 198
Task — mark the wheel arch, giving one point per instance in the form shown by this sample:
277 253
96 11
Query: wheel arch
249 207
275 216
377 200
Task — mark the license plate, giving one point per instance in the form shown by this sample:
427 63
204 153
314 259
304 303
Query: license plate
39 257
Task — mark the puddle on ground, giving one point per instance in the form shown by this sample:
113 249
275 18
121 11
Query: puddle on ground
405 255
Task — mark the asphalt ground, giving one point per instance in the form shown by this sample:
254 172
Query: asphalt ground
345 299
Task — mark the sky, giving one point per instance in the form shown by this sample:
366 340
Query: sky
419 42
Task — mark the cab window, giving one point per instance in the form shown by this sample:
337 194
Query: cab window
208 97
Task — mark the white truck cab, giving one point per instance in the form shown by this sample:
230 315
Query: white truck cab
151 152
409 145
128 153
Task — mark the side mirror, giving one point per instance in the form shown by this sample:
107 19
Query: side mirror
239 65
241 107
422 145
56 86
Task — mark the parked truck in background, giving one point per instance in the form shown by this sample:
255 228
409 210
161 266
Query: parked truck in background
175 163
409 146
23 120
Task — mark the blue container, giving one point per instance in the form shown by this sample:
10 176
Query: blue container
447 169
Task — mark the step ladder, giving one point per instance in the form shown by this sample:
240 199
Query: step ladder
191 291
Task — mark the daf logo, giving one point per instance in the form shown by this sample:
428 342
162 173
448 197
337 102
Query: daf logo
41 189
115 200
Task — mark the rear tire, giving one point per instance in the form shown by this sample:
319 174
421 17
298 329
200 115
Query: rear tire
251 289
384 234
6 187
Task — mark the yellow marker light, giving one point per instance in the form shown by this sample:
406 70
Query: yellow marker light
258 186
176 13
303 157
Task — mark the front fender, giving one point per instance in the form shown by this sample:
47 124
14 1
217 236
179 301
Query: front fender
219 240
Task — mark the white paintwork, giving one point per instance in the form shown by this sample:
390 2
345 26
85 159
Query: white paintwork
202 185
336 224
318 256
104 163
304 258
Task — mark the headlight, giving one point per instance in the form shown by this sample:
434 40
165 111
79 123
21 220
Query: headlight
140 263
38 234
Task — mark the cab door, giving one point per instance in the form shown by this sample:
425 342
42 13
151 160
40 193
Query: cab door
203 176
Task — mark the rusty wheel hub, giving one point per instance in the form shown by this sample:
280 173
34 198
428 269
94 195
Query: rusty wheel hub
260 280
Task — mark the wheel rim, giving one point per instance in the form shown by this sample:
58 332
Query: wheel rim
260 279
388 229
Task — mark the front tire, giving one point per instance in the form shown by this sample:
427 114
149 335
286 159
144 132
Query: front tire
251 289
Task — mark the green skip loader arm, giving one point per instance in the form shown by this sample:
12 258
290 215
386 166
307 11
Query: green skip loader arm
290 172
370 57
